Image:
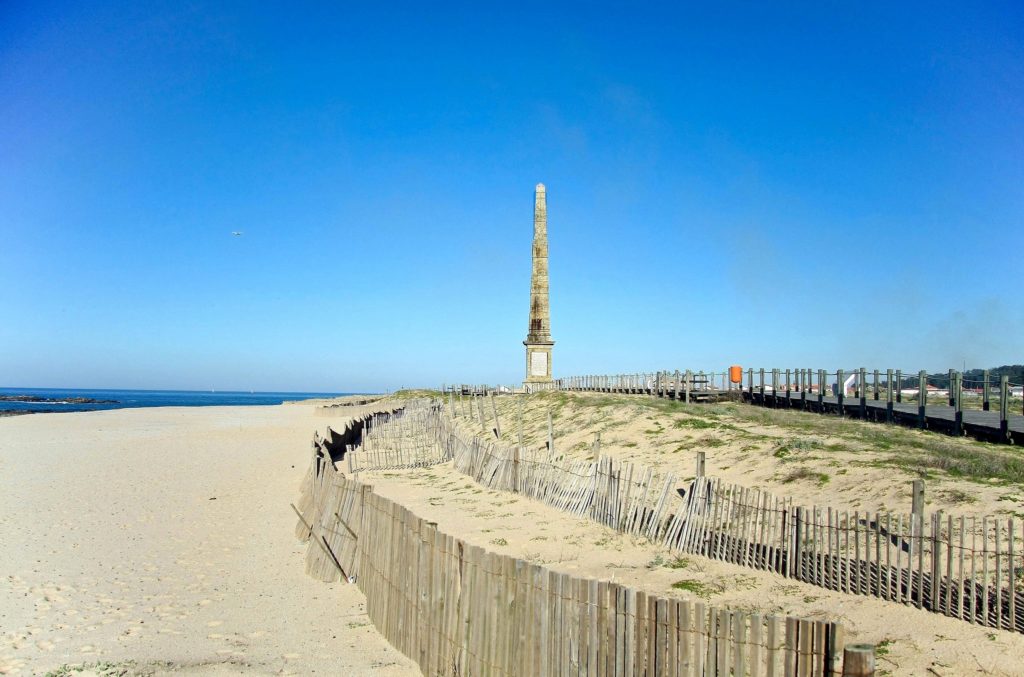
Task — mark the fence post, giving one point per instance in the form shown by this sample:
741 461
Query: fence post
700 464
497 423
1004 407
597 446
515 469
840 391
519 417
821 391
676 391
956 392
551 434
480 408
797 552
922 398
451 402
762 387
862 387
899 386
888 396
936 582
984 393
950 378
788 390
688 385
917 504
834 649
876 385
859 660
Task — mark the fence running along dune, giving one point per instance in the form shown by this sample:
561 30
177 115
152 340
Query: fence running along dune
967 568
457 609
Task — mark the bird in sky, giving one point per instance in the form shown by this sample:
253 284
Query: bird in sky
236 233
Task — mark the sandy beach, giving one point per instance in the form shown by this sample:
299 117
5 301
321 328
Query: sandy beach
161 540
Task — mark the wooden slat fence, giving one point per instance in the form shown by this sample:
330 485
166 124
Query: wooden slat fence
457 609
407 441
966 568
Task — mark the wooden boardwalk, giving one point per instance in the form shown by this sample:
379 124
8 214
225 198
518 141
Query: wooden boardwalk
985 425
876 400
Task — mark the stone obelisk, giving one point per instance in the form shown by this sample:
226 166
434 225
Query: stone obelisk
538 341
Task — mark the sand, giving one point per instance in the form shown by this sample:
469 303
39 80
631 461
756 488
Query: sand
164 537
914 642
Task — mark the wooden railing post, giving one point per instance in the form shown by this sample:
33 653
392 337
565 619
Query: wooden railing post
876 385
899 386
700 464
805 383
888 396
956 392
1004 408
862 387
984 391
951 377
821 391
840 390
922 398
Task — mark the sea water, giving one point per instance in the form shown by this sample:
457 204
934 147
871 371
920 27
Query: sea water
123 399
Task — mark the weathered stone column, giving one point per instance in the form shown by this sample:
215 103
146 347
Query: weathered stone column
538 340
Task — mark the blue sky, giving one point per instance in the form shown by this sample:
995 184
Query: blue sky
826 185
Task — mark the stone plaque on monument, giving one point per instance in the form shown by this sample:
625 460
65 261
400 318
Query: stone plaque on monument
538 364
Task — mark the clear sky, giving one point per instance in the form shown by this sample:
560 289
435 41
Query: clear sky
827 185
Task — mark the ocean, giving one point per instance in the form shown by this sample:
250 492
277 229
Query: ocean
59 399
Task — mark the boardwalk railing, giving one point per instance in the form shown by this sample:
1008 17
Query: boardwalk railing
967 568
949 403
457 609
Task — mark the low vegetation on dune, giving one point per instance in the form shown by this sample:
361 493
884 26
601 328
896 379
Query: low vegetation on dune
819 459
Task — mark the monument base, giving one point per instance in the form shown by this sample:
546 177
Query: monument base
538 364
